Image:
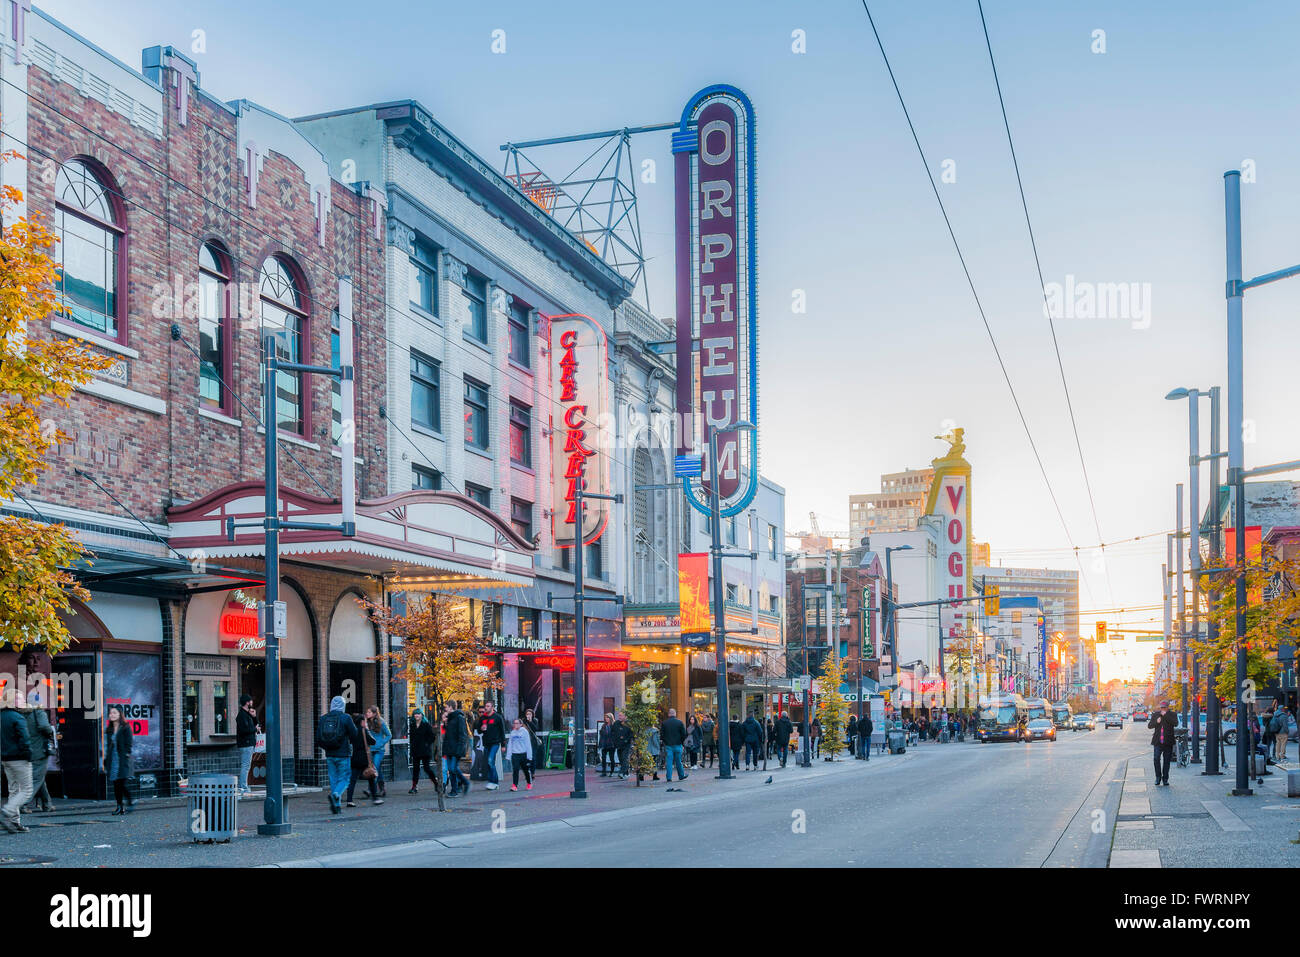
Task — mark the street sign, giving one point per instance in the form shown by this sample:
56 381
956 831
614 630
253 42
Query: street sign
688 466
801 682
992 601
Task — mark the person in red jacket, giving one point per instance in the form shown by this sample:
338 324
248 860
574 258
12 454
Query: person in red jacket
493 729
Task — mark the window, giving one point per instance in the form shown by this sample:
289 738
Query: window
285 320
479 494
732 594
214 325
426 404
476 414
521 445
475 293
772 542
191 712
731 530
221 708
425 478
521 518
520 351
705 528
336 385
88 226
424 277
774 604
591 558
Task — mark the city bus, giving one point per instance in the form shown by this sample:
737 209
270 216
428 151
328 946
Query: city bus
1062 715
1001 718
1039 708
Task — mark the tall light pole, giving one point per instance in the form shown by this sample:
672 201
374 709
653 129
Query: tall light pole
1182 601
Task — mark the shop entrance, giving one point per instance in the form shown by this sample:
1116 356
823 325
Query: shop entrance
77 755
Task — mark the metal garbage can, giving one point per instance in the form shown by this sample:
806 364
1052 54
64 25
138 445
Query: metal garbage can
213 810
897 740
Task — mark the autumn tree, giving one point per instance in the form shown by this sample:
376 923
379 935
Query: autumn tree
833 706
37 376
440 653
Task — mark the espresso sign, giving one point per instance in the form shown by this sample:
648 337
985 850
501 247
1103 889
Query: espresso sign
581 429
717 293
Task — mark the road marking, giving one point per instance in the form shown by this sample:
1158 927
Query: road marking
1143 858
1225 818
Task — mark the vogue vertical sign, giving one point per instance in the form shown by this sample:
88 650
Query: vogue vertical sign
953 507
717 319
579 426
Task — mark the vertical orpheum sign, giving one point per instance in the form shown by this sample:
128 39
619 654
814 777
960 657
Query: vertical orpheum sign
579 427
717 316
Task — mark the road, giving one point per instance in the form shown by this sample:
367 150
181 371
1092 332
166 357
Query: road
993 805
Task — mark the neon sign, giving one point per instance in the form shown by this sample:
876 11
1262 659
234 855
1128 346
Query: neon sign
579 373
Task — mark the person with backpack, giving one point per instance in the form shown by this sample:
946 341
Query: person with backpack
40 733
455 745
865 727
16 758
363 764
1281 732
335 733
420 735
379 730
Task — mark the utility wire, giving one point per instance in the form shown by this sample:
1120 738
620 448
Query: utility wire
971 283
1042 285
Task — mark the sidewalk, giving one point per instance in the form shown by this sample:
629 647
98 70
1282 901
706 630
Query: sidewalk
1196 822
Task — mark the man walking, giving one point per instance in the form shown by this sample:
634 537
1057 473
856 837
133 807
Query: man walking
493 730
865 727
753 734
672 735
1163 724
709 743
1281 731
335 732
783 731
246 730
16 758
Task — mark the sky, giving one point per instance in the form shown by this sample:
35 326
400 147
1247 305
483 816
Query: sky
1122 154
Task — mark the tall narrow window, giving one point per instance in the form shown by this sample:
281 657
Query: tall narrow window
521 518
424 277
476 414
520 351
426 407
284 318
476 297
521 445
89 228
214 326
479 494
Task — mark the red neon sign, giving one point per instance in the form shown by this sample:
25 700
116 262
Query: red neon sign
239 628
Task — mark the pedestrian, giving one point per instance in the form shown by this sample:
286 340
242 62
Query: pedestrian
382 735
769 735
736 739
535 732
334 735
783 729
519 750
493 730
363 764
693 738
246 731
117 759
653 747
605 742
1281 732
709 743
456 743
752 732
419 735
40 737
851 733
1163 724
16 759
672 735
621 736
865 728
817 738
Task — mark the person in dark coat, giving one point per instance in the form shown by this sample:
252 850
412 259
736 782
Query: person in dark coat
769 736
1163 725
865 727
851 733
117 759
245 739
736 739
40 733
420 736
605 742
708 742
752 732
783 729
16 757
455 745
621 736
362 740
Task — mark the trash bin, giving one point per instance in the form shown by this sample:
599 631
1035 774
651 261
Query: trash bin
213 811
897 740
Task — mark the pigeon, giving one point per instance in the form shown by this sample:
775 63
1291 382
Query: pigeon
669 790
769 779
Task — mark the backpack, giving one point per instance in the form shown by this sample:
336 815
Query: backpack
330 733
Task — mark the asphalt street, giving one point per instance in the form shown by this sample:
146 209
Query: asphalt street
983 805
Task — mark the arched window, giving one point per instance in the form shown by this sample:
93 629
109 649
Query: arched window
214 326
284 318
89 228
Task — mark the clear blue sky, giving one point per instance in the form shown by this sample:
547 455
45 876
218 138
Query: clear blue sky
1122 155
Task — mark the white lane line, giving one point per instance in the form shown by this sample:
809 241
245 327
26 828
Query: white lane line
1225 818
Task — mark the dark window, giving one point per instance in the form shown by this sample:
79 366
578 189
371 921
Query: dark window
214 324
285 320
521 446
732 594
731 530
521 518
476 296
520 352
424 277
479 494
426 406
422 477
86 224
592 565
476 414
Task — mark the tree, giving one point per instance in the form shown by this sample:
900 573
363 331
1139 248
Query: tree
440 653
832 706
36 374
642 714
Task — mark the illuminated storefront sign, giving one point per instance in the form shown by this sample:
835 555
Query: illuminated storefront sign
693 597
562 659
239 628
717 301
580 426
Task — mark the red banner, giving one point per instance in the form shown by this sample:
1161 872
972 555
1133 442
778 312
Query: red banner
693 596
1254 549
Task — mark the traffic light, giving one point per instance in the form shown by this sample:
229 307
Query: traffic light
992 603
1101 631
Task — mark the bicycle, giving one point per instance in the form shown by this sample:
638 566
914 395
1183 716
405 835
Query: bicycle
1183 751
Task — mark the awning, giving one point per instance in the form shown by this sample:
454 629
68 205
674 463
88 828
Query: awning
130 573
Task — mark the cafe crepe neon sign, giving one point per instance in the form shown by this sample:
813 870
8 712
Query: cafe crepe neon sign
580 379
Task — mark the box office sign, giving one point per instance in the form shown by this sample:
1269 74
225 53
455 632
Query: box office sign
581 428
717 286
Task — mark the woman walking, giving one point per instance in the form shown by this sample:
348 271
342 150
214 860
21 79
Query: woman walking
519 749
693 737
421 737
382 735
605 741
117 759
816 738
363 765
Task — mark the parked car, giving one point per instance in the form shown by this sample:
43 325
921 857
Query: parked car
1040 729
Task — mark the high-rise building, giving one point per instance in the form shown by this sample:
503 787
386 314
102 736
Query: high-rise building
895 508
1058 588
